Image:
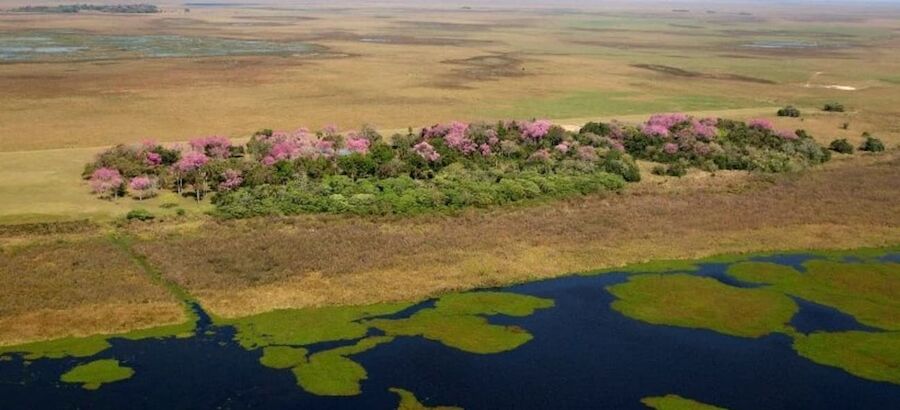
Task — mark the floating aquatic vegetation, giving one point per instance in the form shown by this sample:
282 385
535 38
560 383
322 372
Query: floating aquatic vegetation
408 401
872 355
283 357
97 373
456 320
298 327
698 302
91 345
676 402
868 291
332 373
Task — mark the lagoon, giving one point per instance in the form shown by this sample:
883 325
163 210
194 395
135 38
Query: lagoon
574 352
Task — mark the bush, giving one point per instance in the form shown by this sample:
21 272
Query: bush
841 145
789 111
140 215
596 128
872 144
454 187
677 169
833 107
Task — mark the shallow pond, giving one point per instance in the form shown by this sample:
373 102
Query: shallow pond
68 46
574 352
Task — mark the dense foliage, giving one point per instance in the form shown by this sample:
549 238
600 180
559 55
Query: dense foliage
789 111
711 144
833 107
842 146
871 144
444 166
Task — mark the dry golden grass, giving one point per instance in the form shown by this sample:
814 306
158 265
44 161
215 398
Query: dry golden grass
416 77
58 288
258 265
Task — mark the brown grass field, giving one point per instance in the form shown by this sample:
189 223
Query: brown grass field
409 66
77 286
395 64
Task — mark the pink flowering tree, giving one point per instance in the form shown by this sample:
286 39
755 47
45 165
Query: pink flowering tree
535 130
106 182
190 169
214 146
232 179
426 151
761 124
142 187
357 144
456 138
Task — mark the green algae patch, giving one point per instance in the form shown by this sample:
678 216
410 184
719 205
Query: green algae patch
676 402
332 373
469 333
282 357
97 373
306 326
763 272
697 302
458 321
59 348
870 355
868 291
92 345
491 303
408 401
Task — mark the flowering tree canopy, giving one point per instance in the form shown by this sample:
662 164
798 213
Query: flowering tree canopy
535 130
333 171
191 161
214 146
106 182
426 151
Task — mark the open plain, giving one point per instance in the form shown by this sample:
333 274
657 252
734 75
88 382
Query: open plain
72 85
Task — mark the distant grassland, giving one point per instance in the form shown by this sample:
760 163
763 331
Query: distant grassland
418 66
597 103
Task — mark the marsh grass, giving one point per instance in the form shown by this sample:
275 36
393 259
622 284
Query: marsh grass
77 287
261 264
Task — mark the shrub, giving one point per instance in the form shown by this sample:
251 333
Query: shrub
833 107
140 215
596 128
789 111
677 169
872 144
841 145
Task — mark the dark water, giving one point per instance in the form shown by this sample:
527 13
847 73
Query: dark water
583 356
